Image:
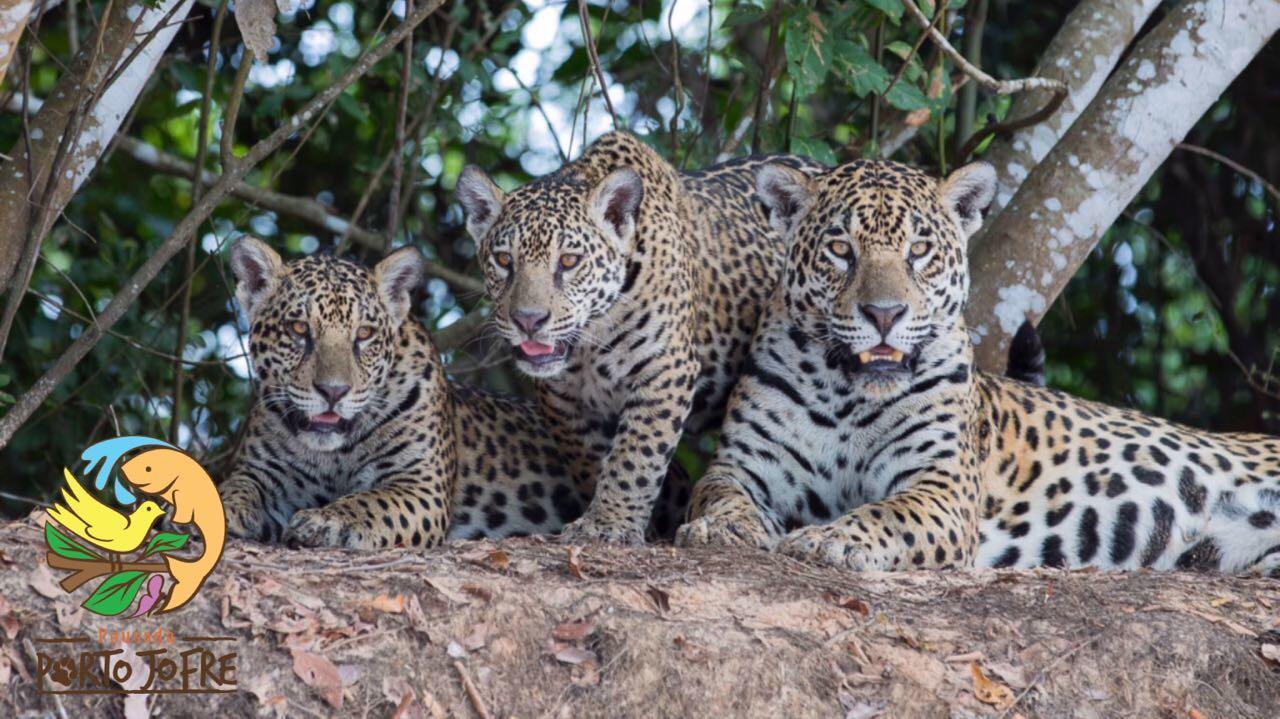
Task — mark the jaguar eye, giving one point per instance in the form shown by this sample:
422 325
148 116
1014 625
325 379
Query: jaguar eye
841 249
300 328
569 261
364 333
502 258
920 249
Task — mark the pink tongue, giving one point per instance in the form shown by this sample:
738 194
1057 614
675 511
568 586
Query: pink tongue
535 349
326 418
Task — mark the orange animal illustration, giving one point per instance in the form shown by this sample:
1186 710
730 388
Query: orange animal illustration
188 488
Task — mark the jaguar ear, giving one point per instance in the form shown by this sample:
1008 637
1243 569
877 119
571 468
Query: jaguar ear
481 199
968 192
396 277
786 192
257 269
615 204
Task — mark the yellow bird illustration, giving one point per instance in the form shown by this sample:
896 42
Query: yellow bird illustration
99 524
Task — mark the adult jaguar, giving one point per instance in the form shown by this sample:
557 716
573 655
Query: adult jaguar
359 439
862 436
630 291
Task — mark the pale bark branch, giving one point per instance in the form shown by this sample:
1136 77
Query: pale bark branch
594 59
182 233
13 20
1032 249
1082 54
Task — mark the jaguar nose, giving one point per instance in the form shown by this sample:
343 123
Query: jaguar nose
332 392
882 316
530 320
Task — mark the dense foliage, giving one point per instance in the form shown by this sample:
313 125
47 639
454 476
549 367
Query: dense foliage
1176 305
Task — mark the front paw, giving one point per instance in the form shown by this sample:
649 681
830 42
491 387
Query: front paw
323 527
831 545
723 531
588 530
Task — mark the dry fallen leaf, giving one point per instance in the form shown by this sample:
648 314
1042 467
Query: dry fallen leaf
989 691
573 655
573 631
320 674
42 581
852 603
257 22
575 562
1220 601
476 638
661 599
384 603
1271 652
478 591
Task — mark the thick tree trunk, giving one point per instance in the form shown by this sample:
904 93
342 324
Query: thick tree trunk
23 182
1083 54
524 631
1068 201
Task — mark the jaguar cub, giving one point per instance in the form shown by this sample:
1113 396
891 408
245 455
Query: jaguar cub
862 436
359 439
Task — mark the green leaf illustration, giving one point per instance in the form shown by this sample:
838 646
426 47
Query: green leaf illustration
64 546
165 542
116 594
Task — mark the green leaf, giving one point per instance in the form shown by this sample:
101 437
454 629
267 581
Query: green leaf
64 546
745 15
352 107
814 148
116 594
165 542
859 69
891 8
808 50
906 96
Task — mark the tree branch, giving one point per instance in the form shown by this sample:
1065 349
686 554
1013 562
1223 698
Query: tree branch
587 40
1085 51
1032 249
182 233
1000 87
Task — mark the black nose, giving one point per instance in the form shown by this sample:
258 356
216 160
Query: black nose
884 318
333 392
530 320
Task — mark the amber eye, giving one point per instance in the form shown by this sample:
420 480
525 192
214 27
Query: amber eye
919 249
841 249
300 328
502 258
569 261
364 333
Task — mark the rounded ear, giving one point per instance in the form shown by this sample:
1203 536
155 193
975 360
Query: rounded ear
481 199
968 192
396 276
615 204
786 192
257 269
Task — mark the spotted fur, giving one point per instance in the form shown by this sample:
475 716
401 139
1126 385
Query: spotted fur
648 283
851 459
415 457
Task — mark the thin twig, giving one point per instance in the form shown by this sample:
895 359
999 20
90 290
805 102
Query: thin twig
232 111
397 165
477 702
197 185
677 89
595 59
1000 87
1206 152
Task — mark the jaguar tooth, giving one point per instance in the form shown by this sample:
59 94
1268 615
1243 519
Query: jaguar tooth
864 357
896 356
